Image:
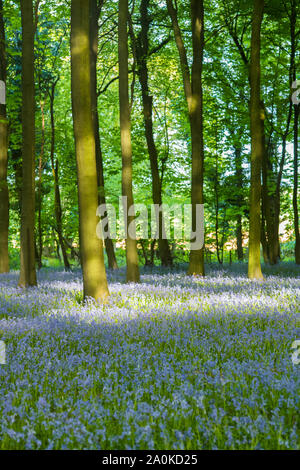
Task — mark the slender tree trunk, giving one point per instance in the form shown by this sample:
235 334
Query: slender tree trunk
58 216
239 238
40 194
55 168
268 202
239 182
254 266
142 52
94 30
4 196
196 119
270 222
216 192
92 258
263 238
125 126
27 270
280 172
194 97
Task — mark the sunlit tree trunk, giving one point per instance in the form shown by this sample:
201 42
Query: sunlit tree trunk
95 10
269 237
92 258
4 197
256 127
27 269
126 147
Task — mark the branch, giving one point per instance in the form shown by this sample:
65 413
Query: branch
36 14
160 46
103 90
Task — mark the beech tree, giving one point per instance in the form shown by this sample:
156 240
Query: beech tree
95 10
194 96
166 131
92 258
133 274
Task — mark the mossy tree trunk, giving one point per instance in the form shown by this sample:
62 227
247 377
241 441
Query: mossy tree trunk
92 258
133 274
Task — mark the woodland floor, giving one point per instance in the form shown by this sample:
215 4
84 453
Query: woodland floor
173 363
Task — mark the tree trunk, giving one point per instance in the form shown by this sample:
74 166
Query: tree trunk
92 258
27 270
40 195
142 53
239 183
271 227
4 196
256 127
55 168
263 239
239 239
94 18
126 147
194 98
268 204
216 193
196 119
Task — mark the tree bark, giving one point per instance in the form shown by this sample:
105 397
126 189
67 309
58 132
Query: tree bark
94 30
194 97
239 183
27 270
141 48
55 168
126 147
92 258
40 194
256 128
268 204
4 196
270 244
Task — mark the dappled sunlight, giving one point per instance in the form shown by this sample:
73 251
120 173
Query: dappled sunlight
165 358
